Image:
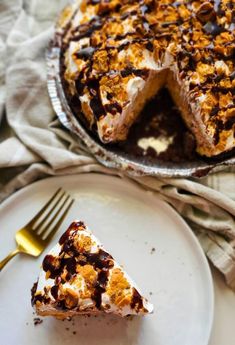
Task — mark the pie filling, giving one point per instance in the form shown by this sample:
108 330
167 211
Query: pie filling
117 55
79 276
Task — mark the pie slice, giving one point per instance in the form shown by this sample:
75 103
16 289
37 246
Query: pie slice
79 277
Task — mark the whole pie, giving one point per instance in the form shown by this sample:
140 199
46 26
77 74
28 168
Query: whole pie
117 54
79 276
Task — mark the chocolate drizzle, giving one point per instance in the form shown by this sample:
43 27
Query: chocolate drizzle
38 298
143 73
96 103
75 226
33 291
54 291
224 126
100 287
86 30
51 264
137 301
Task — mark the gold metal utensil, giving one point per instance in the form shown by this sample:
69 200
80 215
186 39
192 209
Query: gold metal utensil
34 237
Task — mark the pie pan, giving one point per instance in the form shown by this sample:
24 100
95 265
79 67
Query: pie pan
179 159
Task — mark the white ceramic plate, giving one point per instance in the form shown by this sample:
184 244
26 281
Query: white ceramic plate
130 222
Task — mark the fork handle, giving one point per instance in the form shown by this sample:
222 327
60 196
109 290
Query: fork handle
9 257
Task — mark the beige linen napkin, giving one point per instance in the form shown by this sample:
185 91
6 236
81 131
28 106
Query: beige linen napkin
33 144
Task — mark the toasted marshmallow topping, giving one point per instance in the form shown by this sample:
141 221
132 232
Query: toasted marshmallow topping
106 45
79 277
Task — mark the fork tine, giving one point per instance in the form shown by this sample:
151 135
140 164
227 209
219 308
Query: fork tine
47 226
43 209
57 225
38 227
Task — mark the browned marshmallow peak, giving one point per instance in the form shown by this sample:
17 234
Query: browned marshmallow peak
79 277
116 55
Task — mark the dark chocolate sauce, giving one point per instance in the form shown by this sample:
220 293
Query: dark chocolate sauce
37 321
79 85
220 126
229 123
100 260
73 227
137 301
96 103
39 297
54 291
70 264
100 287
103 277
65 236
86 30
60 305
33 291
167 24
215 110
143 73
48 264
191 63
149 46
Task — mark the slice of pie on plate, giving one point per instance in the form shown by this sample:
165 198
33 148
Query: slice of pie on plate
79 277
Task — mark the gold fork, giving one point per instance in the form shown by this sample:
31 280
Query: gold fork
34 237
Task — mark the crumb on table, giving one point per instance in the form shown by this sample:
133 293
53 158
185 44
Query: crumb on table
37 321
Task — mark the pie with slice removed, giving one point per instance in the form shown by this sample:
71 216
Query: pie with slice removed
79 277
117 54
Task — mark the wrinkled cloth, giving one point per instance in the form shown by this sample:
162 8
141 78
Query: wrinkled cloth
33 144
